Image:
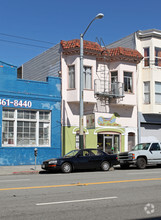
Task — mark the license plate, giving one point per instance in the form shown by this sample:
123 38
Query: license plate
43 166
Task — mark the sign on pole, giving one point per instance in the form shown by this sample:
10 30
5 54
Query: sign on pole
90 121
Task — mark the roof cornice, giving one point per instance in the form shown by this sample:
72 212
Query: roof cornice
149 33
101 53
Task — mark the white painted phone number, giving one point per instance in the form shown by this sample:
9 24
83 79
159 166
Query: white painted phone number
16 103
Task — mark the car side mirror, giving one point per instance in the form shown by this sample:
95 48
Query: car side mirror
151 151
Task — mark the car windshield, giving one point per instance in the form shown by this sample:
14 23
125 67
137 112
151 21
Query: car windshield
143 146
71 153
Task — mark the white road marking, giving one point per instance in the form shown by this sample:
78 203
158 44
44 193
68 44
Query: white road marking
14 180
73 201
143 173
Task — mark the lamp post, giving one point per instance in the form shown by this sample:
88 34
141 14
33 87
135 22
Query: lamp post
99 16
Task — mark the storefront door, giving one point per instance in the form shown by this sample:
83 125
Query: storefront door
108 144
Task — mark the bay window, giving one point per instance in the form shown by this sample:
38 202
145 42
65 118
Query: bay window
146 56
157 56
25 128
158 92
114 76
128 82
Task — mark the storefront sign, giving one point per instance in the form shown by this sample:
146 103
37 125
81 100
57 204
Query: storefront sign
90 120
15 103
102 121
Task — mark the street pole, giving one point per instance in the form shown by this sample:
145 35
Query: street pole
81 145
81 123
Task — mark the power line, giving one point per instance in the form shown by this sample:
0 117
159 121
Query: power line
26 38
31 45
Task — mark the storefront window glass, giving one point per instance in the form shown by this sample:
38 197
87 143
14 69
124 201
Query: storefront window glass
20 128
8 132
116 147
26 133
109 143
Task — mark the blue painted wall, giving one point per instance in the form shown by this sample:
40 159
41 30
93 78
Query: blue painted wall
42 96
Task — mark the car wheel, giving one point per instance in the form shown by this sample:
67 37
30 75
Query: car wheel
141 163
66 168
124 166
105 166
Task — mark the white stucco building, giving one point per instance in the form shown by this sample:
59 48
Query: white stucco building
109 95
148 43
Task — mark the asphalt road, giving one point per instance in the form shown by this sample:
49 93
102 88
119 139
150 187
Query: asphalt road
118 195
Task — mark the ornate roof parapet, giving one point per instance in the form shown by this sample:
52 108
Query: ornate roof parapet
101 53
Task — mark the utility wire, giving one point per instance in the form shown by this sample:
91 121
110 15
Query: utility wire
25 38
31 45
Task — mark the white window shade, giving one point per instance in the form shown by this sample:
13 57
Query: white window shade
87 77
146 92
158 92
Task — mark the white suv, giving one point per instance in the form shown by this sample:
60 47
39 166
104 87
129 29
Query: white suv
141 155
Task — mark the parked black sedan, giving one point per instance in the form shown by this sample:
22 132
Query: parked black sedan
81 160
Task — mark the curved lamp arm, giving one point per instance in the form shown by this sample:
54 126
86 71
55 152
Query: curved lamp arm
98 16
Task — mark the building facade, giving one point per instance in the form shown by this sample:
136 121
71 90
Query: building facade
148 43
109 95
30 117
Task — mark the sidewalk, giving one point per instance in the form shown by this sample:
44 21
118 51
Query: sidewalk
25 169
15 170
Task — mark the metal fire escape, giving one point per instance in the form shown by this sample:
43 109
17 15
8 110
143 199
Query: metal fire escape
106 89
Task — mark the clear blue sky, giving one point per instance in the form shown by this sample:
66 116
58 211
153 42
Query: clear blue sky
55 20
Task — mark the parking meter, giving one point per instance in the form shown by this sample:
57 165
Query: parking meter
35 153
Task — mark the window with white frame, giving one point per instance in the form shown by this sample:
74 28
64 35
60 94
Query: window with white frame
158 92
114 83
157 56
114 76
25 127
128 82
44 127
71 79
87 77
146 56
146 92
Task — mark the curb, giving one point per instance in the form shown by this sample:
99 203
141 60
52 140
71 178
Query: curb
26 172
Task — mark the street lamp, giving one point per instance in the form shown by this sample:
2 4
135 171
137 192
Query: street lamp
99 16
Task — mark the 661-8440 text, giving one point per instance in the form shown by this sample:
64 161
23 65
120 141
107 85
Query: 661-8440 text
15 103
